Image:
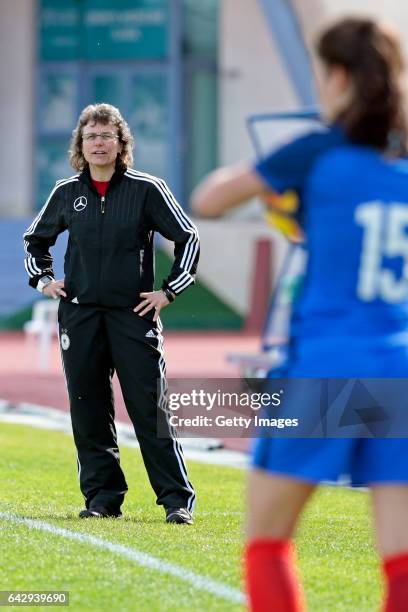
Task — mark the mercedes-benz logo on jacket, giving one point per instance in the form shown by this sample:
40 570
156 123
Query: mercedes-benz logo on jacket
80 203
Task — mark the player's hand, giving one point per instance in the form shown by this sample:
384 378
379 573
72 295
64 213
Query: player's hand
55 289
152 299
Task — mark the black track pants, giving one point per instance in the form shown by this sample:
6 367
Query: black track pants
95 342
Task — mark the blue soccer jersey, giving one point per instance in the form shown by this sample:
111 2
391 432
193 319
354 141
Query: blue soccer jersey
351 319
354 210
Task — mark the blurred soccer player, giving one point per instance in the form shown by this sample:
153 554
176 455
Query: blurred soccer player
352 319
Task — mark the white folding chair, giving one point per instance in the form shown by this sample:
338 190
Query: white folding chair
43 326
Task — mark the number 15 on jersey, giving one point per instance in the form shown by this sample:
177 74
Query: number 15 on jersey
385 235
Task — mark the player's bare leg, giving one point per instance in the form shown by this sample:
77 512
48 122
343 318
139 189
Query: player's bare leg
274 503
390 507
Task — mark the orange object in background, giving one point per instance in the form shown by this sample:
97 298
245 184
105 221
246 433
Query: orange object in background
279 211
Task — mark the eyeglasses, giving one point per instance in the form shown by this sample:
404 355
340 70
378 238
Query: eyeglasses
92 136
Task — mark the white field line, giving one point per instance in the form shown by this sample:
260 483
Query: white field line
201 583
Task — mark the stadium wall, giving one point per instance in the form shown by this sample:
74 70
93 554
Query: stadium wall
17 76
252 76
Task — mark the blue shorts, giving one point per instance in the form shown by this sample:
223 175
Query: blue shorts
365 461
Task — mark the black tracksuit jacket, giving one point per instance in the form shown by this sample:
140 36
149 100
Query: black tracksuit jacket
110 259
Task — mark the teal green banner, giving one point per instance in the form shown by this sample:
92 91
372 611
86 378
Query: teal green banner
126 29
59 30
104 29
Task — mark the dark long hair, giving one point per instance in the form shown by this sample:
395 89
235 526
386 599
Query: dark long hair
372 55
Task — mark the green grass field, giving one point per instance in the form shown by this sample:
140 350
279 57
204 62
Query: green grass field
38 481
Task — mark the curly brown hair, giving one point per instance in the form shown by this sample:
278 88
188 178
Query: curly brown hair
105 114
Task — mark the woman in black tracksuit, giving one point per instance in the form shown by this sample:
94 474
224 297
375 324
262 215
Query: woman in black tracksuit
109 313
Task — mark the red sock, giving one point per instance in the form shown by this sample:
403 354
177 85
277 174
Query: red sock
272 583
396 573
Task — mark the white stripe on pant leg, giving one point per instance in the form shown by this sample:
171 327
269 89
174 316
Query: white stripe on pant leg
162 406
79 468
197 581
173 432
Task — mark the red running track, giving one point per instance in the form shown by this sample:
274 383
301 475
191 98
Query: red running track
188 355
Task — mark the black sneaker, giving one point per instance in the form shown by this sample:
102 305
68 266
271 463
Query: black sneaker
178 515
99 512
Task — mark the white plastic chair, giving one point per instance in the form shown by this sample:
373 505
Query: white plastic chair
43 325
